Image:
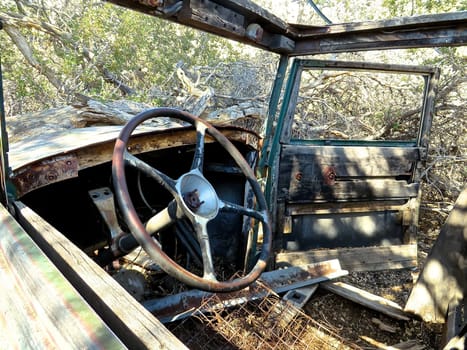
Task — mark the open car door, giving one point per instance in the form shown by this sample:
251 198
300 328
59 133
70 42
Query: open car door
352 137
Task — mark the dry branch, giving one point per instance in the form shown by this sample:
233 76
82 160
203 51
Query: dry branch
21 43
11 24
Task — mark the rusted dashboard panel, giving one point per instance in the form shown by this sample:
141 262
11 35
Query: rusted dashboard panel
45 172
80 149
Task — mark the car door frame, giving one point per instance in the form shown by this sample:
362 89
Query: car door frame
404 255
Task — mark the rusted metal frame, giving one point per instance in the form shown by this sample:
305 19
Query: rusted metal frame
239 20
246 22
269 152
4 167
283 120
426 120
45 172
428 110
366 66
271 116
291 304
290 102
185 304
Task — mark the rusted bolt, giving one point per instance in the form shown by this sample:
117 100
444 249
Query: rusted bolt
52 175
329 176
192 200
299 176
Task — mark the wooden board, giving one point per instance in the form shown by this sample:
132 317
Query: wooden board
135 326
367 299
356 259
40 309
371 189
336 173
443 280
352 161
455 330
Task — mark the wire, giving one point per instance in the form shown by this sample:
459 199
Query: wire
140 190
318 11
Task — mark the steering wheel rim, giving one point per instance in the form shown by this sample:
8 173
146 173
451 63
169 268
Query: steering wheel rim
121 157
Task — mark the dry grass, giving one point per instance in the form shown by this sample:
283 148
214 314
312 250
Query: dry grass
267 323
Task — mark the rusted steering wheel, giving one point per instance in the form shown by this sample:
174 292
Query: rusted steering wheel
194 199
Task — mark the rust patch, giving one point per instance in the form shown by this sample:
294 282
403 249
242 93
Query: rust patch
44 173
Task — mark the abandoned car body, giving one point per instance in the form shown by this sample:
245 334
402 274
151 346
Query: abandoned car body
76 205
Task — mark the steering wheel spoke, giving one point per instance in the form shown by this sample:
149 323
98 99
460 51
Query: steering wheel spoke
166 181
239 209
198 158
203 240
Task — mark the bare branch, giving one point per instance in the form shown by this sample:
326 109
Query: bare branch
21 42
12 21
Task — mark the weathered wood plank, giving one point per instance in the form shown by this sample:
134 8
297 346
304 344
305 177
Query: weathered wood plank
40 309
373 189
351 161
455 333
356 259
317 173
353 207
443 280
206 16
135 326
367 299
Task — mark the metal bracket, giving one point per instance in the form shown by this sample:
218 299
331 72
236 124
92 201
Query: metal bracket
185 304
103 199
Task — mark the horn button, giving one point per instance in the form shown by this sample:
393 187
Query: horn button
199 197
